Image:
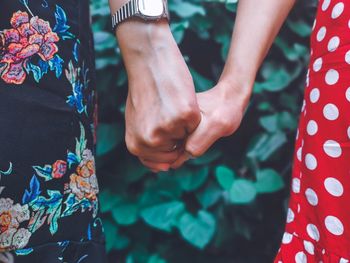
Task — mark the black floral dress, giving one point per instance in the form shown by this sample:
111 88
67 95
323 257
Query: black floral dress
48 185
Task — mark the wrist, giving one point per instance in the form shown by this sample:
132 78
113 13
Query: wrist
141 41
236 90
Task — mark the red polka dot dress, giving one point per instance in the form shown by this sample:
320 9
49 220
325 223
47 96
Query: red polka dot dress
318 220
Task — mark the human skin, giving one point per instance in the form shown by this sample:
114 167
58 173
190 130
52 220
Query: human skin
215 113
161 107
223 106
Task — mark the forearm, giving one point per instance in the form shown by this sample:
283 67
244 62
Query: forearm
257 24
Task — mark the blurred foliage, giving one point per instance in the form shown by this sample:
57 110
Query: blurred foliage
229 205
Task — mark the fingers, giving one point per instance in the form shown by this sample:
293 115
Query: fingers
184 157
202 138
162 157
155 167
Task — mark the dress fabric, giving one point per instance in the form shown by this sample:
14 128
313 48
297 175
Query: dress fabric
48 185
318 219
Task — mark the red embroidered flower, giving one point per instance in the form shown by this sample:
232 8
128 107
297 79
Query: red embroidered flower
59 168
27 38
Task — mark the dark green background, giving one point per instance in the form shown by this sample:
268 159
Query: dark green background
229 205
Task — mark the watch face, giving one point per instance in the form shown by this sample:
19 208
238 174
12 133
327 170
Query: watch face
151 7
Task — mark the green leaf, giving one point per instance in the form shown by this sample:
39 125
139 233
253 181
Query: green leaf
163 216
300 27
109 136
270 123
191 179
178 30
199 230
156 259
268 181
242 192
125 213
108 200
208 157
104 40
186 9
209 195
225 176
201 83
266 145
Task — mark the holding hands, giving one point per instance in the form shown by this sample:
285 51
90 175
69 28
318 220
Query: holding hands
166 121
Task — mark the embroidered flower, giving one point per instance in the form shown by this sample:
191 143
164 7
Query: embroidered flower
11 215
27 38
83 183
59 168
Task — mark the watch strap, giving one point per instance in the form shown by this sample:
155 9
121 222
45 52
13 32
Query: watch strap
128 10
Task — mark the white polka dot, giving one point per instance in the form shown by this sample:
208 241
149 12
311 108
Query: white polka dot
290 216
343 260
296 185
317 64
309 247
332 77
299 154
349 132
310 161
337 10
300 257
325 4
313 232
311 197
347 57
334 225
334 186
312 127
287 238
321 34
332 148
314 95
347 94
333 44
330 112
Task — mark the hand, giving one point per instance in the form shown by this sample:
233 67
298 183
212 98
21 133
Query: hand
161 108
222 109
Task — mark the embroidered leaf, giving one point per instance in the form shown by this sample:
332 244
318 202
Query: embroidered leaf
44 66
8 172
44 172
53 218
72 159
37 220
76 51
36 70
52 206
61 27
34 191
24 251
56 65
25 2
73 204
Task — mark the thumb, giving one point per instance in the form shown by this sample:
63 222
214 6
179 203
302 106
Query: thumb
202 138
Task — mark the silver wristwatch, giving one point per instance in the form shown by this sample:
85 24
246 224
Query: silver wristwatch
149 10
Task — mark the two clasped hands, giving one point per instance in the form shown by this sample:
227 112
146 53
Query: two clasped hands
166 121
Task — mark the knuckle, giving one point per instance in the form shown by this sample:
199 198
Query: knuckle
195 152
131 145
189 112
226 125
151 140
